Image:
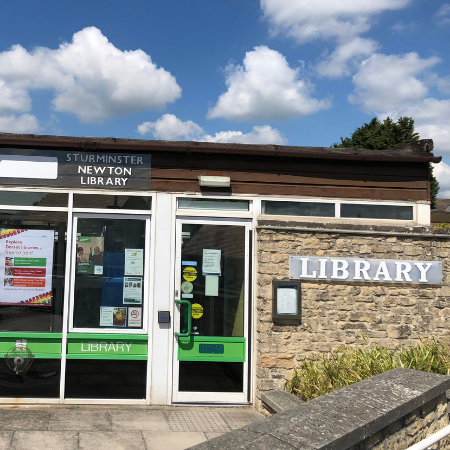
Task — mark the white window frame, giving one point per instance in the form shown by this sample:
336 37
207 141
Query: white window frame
147 268
416 220
216 212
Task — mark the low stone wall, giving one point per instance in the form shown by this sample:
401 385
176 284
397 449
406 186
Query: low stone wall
412 428
393 410
337 313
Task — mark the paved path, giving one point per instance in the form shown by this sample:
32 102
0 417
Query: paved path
116 427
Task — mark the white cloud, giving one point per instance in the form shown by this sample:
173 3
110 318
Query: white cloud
264 88
170 127
339 63
13 100
342 21
397 85
443 15
400 27
264 134
305 20
432 121
442 83
442 172
26 123
91 78
389 82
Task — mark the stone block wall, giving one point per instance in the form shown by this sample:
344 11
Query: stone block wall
410 429
343 313
393 410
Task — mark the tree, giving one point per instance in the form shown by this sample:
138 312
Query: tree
378 135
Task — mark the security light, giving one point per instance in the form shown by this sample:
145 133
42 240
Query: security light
205 181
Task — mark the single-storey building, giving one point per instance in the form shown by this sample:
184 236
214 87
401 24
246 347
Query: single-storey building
158 273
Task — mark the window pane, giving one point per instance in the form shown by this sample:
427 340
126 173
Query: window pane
112 201
105 379
32 269
22 198
215 205
201 376
41 380
366 211
298 208
221 296
109 273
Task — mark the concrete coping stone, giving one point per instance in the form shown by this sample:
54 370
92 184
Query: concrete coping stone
342 418
280 401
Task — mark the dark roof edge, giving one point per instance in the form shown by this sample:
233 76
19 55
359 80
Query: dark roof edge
420 151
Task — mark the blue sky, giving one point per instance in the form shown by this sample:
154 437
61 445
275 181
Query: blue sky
293 72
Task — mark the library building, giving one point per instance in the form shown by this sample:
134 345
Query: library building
160 273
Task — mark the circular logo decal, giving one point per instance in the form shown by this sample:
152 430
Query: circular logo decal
190 273
197 310
187 287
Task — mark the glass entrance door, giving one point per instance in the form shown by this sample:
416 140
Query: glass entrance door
211 314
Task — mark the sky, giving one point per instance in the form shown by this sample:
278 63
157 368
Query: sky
287 72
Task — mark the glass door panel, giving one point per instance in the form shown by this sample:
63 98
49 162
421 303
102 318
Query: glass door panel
109 273
212 274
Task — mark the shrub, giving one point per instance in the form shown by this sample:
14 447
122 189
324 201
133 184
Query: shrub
442 225
347 365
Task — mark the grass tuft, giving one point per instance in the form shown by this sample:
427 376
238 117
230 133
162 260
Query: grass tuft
346 366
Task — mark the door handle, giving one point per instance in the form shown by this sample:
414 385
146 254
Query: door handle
189 321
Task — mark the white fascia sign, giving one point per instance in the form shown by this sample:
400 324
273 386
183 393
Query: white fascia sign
365 270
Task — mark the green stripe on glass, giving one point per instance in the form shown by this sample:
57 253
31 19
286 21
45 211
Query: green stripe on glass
211 348
107 346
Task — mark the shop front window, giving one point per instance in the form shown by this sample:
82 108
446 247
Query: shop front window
98 201
109 273
32 267
373 211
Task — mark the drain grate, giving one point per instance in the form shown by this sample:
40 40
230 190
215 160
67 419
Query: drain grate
205 421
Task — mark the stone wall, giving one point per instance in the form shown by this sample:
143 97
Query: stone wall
393 410
410 429
336 313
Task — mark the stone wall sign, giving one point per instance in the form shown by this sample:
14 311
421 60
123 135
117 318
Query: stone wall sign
365 270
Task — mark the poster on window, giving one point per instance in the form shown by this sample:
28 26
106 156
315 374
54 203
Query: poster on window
134 261
26 264
132 290
89 255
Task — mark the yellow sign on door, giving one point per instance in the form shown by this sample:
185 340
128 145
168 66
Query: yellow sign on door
190 273
197 310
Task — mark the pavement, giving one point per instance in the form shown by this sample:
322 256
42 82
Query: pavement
109 427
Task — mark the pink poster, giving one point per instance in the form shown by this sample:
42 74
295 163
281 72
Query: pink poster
26 264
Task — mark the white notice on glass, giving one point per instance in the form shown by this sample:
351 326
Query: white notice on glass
211 262
212 285
286 301
106 316
132 291
134 261
134 317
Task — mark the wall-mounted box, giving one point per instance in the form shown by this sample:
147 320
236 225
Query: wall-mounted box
287 300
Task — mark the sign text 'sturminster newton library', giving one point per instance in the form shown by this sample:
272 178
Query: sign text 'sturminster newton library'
94 169
365 270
